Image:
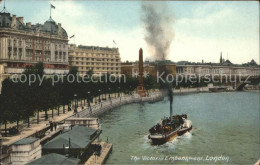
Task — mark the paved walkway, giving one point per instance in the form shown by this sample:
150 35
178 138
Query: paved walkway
34 127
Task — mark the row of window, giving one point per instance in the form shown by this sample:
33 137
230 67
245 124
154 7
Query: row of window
37 42
84 72
98 68
97 55
93 59
93 63
214 71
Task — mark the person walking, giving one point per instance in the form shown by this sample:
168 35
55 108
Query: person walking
55 126
51 125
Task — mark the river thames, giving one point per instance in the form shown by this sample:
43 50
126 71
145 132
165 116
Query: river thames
225 130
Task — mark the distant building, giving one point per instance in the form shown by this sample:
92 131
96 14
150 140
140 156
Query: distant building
90 122
25 151
216 69
150 68
24 44
191 68
251 63
98 59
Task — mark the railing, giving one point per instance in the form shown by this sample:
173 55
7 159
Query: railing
102 107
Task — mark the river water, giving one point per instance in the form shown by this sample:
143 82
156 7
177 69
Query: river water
225 130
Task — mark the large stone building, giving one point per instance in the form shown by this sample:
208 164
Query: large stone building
23 44
99 59
150 68
199 69
212 69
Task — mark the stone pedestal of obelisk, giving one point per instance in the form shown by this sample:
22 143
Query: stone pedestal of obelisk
140 87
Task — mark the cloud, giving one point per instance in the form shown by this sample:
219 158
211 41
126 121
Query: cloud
88 30
214 28
210 28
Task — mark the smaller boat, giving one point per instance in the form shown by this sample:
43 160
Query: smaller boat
218 89
167 129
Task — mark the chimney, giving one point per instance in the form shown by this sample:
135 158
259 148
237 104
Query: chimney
20 19
59 29
28 24
13 25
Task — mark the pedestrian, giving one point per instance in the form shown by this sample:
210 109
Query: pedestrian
55 126
51 125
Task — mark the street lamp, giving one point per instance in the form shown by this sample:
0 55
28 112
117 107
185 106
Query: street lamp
75 106
99 95
118 91
109 93
88 99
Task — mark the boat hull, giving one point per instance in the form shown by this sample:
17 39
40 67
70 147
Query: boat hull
184 130
169 128
163 138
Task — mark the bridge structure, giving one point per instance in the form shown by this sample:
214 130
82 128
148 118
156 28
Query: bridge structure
254 80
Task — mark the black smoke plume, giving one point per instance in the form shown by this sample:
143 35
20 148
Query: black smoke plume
158 20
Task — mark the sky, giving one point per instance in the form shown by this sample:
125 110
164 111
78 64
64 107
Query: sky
201 29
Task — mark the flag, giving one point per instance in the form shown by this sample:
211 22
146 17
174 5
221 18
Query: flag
72 36
53 7
114 42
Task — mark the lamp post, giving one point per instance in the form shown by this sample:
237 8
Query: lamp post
118 91
130 90
99 95
109 93
75 104
89 99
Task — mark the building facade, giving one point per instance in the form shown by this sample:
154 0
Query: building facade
211 70
131 68
99 59
24 44
25 151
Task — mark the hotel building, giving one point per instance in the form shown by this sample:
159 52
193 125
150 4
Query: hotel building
99 59
24 44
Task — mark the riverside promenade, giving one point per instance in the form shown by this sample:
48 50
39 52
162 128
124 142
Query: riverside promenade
191 90
29 131
110 104
95 110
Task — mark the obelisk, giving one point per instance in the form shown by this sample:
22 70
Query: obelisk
140 88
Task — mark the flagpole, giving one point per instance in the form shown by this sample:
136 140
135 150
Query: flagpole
50 10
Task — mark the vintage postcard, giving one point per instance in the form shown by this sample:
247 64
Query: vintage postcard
129 82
